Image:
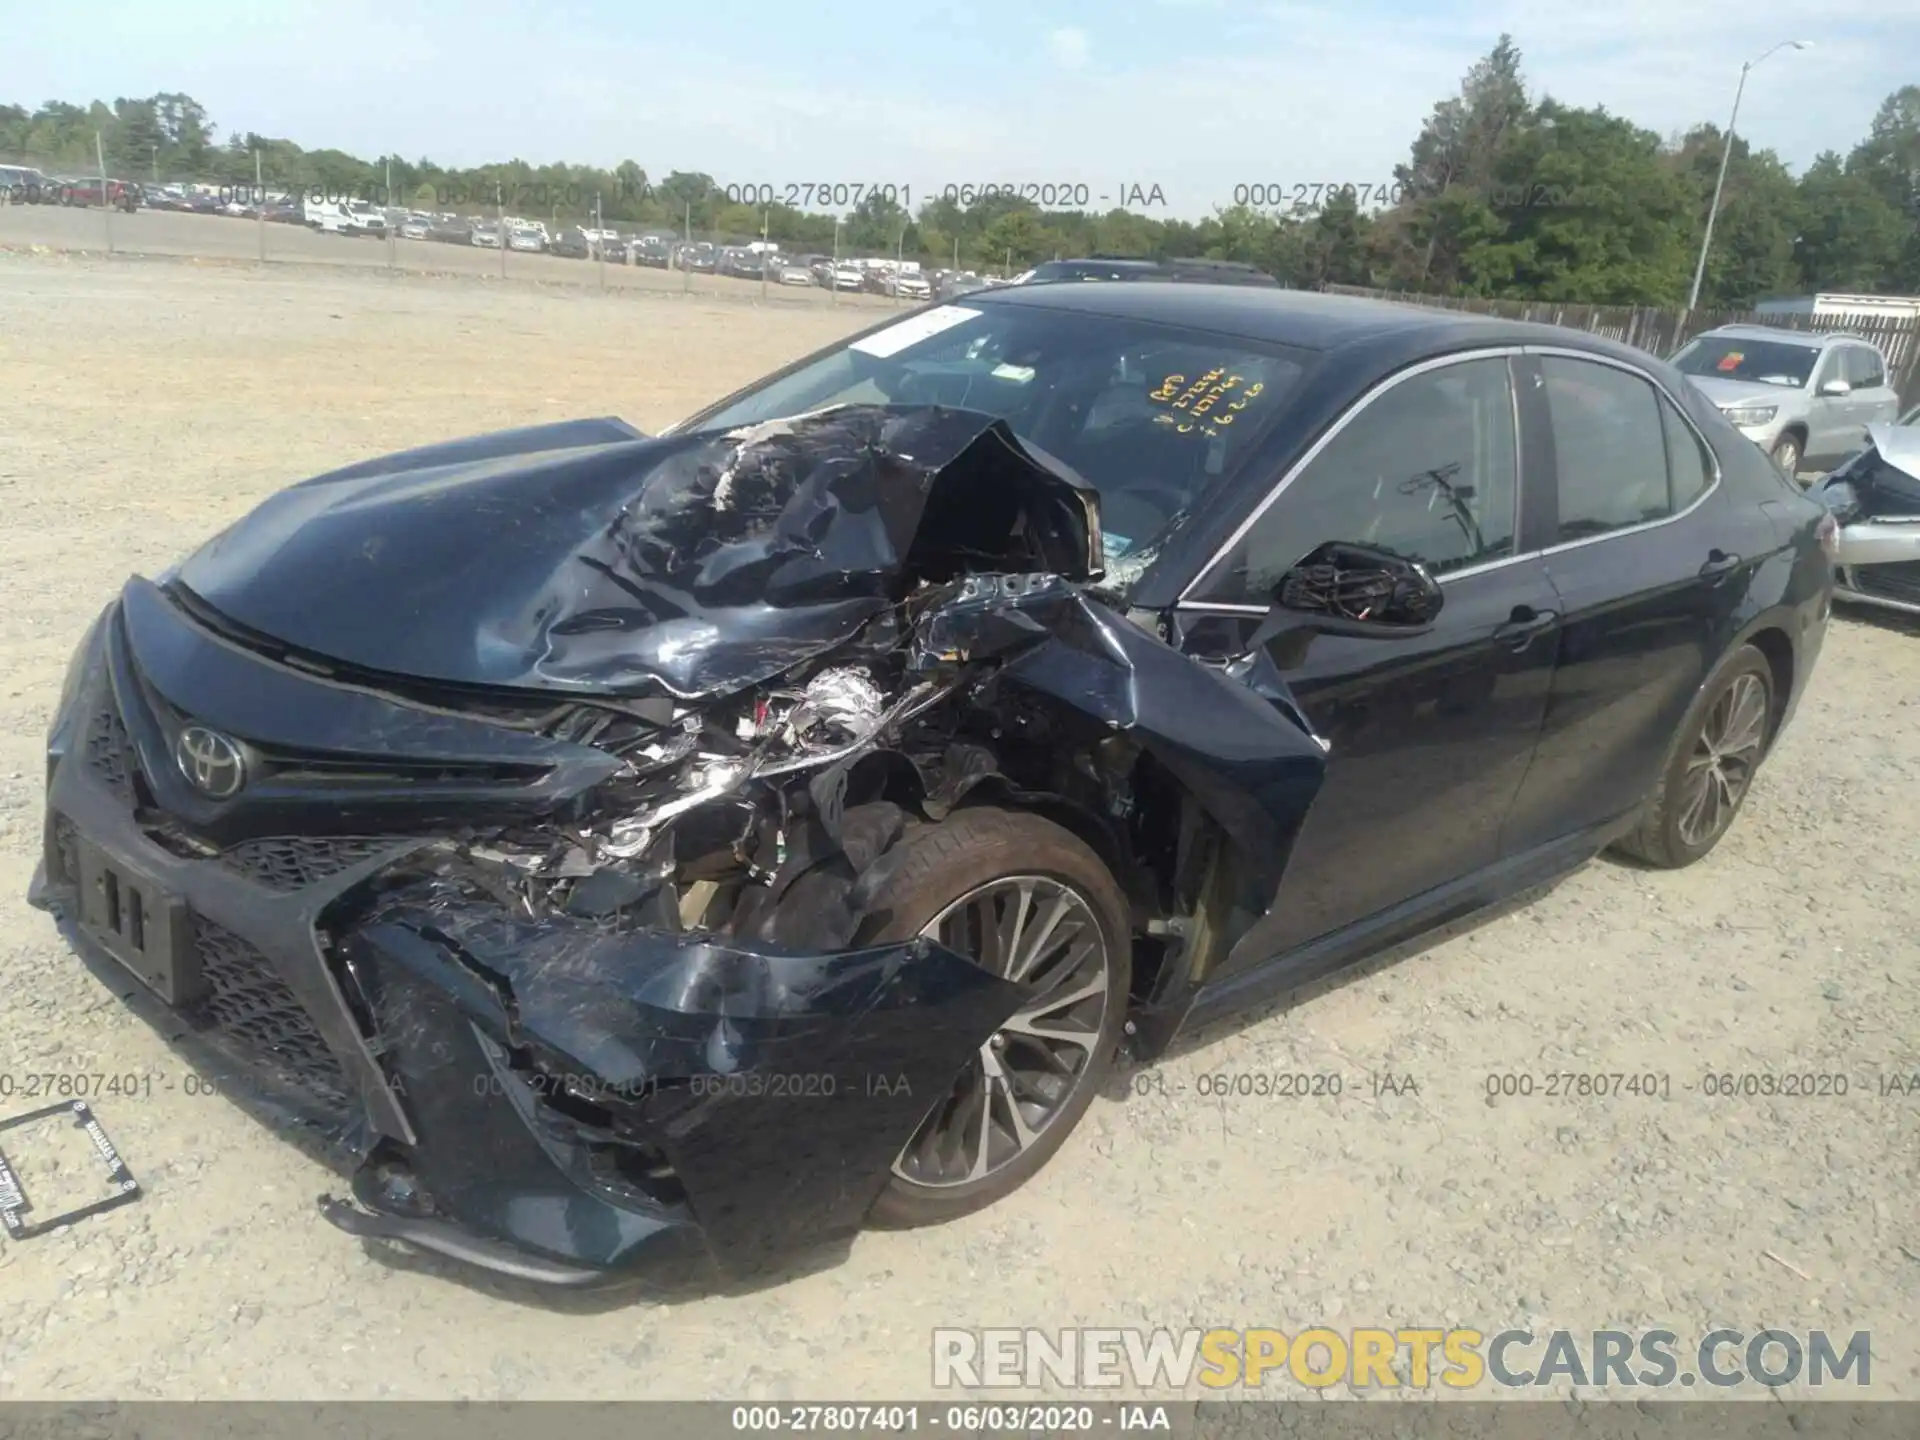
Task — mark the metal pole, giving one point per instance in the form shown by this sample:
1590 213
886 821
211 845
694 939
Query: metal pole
899 262
1726 154
106 200
500 217
600 238
833 279
686 253
763 254
260 212
386 212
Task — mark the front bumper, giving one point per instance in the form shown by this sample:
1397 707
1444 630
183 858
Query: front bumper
550 1100
1878 563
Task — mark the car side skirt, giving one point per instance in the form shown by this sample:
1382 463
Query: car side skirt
1153 1030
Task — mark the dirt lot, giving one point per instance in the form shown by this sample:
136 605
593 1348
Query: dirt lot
224 238
148 402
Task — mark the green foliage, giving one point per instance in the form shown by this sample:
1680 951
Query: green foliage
1501 196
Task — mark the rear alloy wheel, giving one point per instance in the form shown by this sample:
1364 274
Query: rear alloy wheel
1722 742
1029 901
1786 454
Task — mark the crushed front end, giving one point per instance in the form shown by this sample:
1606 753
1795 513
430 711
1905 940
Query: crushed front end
1875 497
582 972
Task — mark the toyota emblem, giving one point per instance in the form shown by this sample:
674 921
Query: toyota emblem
211 762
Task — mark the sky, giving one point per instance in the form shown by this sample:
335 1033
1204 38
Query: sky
1196 97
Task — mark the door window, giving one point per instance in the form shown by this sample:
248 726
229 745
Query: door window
1427 470
1865 370
1832 367
1610 447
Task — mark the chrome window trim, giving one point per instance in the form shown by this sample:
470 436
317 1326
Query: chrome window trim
1183 602
1333 432
1719 475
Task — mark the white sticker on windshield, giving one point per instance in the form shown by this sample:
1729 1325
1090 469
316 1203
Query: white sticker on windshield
895 338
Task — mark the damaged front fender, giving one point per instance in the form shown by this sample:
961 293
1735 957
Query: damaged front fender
651 1083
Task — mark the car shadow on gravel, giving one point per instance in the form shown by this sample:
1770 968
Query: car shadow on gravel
1119 1086
1896 622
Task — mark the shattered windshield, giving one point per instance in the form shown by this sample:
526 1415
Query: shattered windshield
1764 362
1151 416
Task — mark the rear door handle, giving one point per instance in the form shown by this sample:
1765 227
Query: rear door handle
1525 623
1719 564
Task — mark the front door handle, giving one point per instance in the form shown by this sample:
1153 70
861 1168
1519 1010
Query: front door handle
1719 565
1524 624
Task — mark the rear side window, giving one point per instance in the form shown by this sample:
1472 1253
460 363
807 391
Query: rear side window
1689 463
1610 447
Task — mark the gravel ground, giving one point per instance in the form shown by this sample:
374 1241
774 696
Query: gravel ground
147 403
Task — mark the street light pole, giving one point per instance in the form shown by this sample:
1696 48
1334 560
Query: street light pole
1726 154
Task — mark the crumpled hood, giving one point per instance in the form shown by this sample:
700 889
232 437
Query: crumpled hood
588 558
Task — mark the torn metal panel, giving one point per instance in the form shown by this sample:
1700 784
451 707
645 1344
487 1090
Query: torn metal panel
580 561
1244 750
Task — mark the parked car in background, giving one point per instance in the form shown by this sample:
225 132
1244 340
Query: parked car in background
485 233
416 227
355 218
1875 497
451 230
285 212
21 185
93 192
848 276
1806 399
792 272
651 251
907 286
571 244
531 238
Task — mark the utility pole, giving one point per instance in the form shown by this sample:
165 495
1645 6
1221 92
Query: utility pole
600 238
500 218
765 214
106 199
260 210
1726 154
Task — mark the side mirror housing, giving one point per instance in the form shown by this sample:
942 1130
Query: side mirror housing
1836 387
1353 589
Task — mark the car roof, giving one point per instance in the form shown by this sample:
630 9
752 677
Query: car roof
1301 319
1811 339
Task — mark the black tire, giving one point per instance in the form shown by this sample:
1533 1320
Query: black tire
936 866
1789 456
1660 840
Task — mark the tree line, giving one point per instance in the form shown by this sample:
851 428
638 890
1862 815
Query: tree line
1503 194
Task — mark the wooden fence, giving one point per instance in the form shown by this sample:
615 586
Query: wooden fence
1661 332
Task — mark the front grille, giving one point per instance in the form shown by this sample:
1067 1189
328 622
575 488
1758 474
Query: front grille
107 751
293 862
256 1010
1890 582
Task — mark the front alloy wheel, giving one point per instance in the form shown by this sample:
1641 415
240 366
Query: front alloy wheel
1043 934
1029 901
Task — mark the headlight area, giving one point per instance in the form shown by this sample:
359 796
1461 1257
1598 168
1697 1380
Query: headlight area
1749 417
